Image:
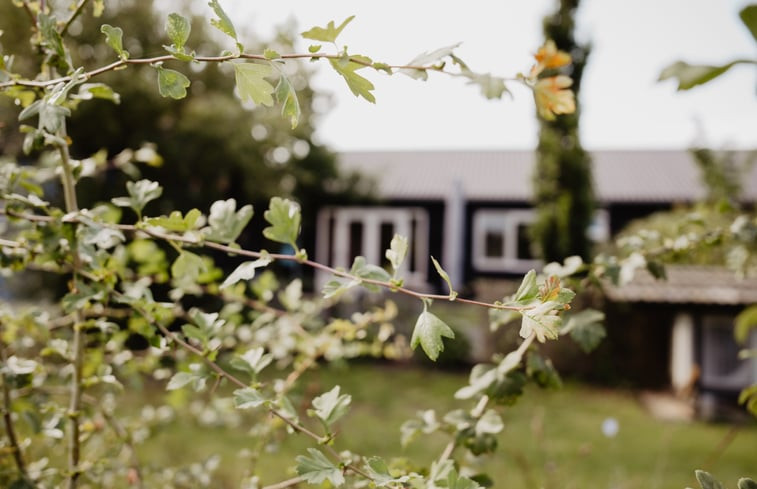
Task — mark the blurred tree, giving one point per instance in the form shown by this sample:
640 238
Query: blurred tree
212 146
563 185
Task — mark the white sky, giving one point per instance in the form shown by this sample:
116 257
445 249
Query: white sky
623 105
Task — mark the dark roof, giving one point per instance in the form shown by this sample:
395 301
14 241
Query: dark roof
686 285
620 176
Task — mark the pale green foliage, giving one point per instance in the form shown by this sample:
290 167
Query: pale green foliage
690 76
585 327
287 97
284 217
316 468
226 223
223 22
331 406
140 194
134 276
378 470
172 83
252 83
397 252
248 398
445 276
359 85
428 333
328 33
177 30
245 271
114 39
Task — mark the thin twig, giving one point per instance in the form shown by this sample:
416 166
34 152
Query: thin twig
287 483
478 411
236 381
77 11
18 455
220 59
74 406
198 243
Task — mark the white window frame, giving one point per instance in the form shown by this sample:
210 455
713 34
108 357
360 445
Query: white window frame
717 328
506 222
336 243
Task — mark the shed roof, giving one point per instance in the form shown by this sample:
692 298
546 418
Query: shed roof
620 176
686 285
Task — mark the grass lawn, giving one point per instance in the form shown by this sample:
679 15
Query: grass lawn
552 439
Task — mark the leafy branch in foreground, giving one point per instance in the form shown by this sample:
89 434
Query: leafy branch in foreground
155 283
252 78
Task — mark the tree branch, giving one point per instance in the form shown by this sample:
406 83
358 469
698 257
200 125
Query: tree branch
220 59
194 242
10 430
79 8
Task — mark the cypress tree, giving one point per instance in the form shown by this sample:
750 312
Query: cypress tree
563 184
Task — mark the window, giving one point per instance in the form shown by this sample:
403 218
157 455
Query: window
348 232
721 366
501 242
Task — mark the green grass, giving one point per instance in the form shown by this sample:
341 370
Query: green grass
552 439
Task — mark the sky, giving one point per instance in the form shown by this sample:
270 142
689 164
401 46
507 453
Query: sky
623 104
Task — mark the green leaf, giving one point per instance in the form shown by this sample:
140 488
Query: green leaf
366 271
397 252
378 470
328 33
271 54
172 83
245 271
140 194
89 91
542 321
316 469
287 97
284 218
454 481
585 328
490 423
690 76
314 48
748 397
253 360
360 86
223 22
528 290
492 87
98 7
428 332
428 59
177 30
187 267
248 398
114 39
335 287
48 26
749 16
745 322
225 222
706 480
542 371
331 406
103 237
445 277
176 222
182 379
251 82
